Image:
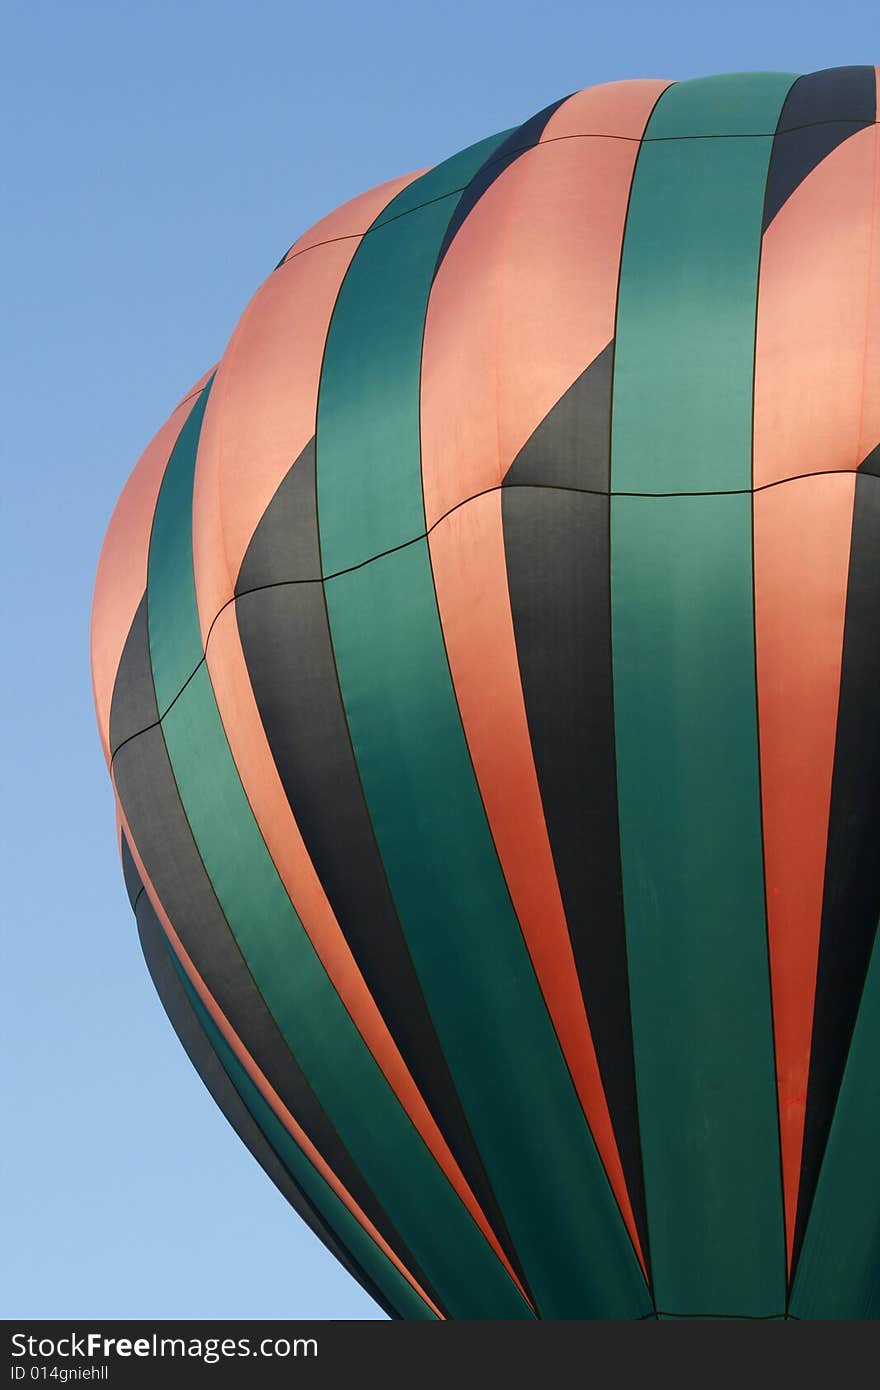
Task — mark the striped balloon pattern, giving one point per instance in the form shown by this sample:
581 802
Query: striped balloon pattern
485 655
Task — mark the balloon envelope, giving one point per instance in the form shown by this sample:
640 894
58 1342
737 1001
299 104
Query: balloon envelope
485 654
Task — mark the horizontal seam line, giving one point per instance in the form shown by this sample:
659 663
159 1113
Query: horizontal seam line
423 535
759 134
291 255
158 722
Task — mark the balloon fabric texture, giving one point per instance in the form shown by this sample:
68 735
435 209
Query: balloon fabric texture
486 657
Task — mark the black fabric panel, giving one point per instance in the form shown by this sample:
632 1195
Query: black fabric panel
286 641
832 94
871 464
186 1025
285 545
525 137
851 905
557 550
148 793
133 706
821 111
572 445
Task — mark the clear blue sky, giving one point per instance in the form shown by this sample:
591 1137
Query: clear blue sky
158 159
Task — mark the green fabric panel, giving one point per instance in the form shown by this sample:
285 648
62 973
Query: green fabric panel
368 406
690 823
838 1274
419 783
320 1033
684 356
175 636
399 1292
466 942
340 1068
730 103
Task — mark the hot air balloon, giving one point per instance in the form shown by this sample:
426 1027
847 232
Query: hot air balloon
485 655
